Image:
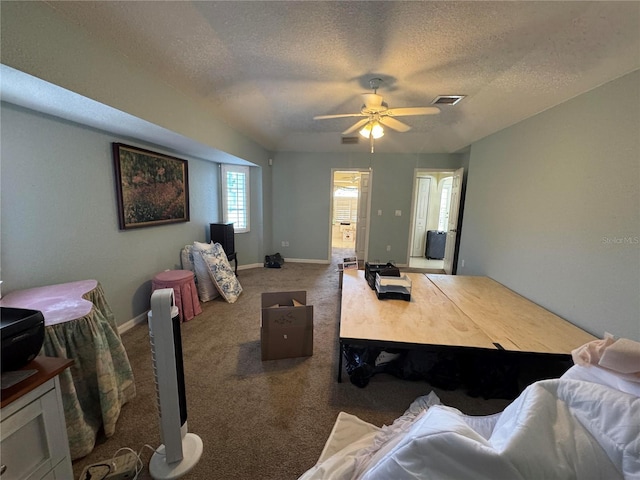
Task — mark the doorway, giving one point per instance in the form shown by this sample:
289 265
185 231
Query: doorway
349 214
430 215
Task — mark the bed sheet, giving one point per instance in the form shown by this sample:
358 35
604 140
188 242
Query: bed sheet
563 428
602 376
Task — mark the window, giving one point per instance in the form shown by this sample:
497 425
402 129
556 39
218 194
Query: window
345 204
235 196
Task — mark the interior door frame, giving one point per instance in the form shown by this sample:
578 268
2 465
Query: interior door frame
414 211
369 171
416 173
453 228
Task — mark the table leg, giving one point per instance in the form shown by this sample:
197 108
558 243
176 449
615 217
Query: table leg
340 361
234 256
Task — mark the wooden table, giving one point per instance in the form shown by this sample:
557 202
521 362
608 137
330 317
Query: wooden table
511 321
452 311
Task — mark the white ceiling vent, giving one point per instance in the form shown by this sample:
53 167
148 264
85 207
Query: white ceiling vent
447 99
350 140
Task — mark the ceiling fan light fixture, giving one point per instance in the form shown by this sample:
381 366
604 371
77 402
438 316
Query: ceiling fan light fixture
372 129
366 131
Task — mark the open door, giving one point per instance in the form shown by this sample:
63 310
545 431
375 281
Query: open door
363 216
452 227
421 202
349 219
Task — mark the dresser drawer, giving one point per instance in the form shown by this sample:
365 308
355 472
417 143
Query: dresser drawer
33 437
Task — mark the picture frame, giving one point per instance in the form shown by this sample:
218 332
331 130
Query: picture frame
151 188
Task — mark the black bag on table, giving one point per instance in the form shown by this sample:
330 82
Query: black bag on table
384 269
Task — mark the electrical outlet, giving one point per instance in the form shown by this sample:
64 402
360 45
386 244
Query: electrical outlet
388 248
398 213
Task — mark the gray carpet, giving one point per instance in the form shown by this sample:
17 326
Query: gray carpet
262 420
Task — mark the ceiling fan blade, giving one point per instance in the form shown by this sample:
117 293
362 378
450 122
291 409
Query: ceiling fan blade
394 124
372 100
399 112
341 115
355 127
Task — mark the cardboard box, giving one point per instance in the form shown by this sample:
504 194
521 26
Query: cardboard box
286 330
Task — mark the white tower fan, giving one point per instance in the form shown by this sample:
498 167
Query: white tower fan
180 450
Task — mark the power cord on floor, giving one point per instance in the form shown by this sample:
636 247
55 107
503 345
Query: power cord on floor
154 450
139 463
91 474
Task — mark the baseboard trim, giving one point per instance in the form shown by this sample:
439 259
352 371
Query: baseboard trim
250 266
126 326
306 260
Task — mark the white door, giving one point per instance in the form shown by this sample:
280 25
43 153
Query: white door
419 240
452 232
363 215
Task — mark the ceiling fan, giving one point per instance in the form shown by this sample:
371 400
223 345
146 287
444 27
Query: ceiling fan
378 114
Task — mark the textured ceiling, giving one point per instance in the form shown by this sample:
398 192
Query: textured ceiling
267 67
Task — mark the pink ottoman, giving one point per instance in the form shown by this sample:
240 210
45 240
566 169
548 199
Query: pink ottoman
184 290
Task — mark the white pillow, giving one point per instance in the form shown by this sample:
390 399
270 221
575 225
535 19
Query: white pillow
221 273
186 258
206 289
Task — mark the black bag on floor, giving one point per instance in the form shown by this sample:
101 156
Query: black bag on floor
441 370
360 364
492 378
273 261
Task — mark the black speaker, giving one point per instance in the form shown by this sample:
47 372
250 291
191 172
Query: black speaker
223 234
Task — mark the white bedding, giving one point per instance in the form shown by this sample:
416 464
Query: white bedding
562 428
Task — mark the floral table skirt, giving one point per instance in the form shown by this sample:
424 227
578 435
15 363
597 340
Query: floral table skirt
79 325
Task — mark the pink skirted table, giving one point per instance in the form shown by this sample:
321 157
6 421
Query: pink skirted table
80 325
184 291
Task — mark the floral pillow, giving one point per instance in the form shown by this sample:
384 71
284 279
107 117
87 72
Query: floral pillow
221 273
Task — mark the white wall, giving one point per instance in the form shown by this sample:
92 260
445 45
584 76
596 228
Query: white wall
59 221
553 209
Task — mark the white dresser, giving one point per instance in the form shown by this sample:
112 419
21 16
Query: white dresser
33 434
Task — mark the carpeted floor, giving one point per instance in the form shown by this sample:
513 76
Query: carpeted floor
262 420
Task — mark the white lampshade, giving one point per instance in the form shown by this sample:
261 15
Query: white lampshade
372 129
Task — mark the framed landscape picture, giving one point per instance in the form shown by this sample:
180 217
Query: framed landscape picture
151 188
